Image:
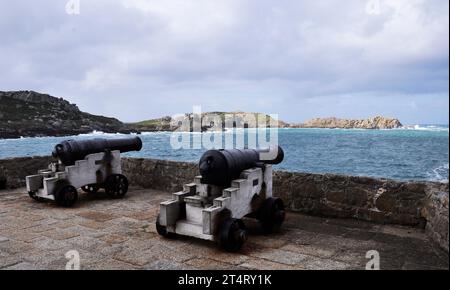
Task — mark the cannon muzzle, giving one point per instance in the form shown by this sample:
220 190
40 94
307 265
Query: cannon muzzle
72 150
220 167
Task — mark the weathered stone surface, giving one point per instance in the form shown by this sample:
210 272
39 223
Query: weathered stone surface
435 212
305 242
159 174
16 169
384 201
419 204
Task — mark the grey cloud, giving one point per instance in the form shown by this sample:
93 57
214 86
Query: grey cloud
138 59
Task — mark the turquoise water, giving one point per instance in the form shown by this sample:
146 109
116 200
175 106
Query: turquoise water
418 153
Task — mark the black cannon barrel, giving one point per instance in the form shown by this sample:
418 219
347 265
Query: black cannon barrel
220 167
72 150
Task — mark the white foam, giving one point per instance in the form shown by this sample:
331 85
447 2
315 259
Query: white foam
103 134
94 133
152 133
439 173
434 128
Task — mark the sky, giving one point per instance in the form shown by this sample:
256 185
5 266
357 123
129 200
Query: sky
142 59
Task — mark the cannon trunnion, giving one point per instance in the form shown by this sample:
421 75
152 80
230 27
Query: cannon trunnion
233 184
87 164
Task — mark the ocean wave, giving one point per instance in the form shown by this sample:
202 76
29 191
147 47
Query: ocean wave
100 134
153 133
435 128
439 173
94 133
91 134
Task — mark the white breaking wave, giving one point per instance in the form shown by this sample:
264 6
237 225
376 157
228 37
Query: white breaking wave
426 128
94 133
100 133
154 133
439 173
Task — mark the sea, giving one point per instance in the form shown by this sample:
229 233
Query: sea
416 153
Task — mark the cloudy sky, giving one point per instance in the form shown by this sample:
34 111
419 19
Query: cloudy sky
139 59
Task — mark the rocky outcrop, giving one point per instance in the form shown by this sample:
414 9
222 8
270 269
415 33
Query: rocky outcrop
333 123
210 121
30 114
155 125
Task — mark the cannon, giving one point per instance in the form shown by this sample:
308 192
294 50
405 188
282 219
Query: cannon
90 164
232 185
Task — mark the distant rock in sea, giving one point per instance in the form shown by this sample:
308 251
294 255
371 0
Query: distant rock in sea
185 122
31 114
336 123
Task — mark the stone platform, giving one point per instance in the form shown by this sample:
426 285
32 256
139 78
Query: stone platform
120 234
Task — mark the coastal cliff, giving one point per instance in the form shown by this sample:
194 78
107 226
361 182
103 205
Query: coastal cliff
31 114
333 123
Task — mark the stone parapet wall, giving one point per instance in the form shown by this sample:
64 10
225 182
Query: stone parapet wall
14 170
435 211
159 174
418 204
377 200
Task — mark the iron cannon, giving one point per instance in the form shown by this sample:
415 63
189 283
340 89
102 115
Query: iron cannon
90 164
69 151
232 185
220 167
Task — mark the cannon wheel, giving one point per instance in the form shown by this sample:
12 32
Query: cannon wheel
90 188
116 185
66 196
33 195
271 214
162 230
232 235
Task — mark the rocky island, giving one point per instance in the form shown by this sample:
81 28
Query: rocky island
169 124
184 122
336 123
31 114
